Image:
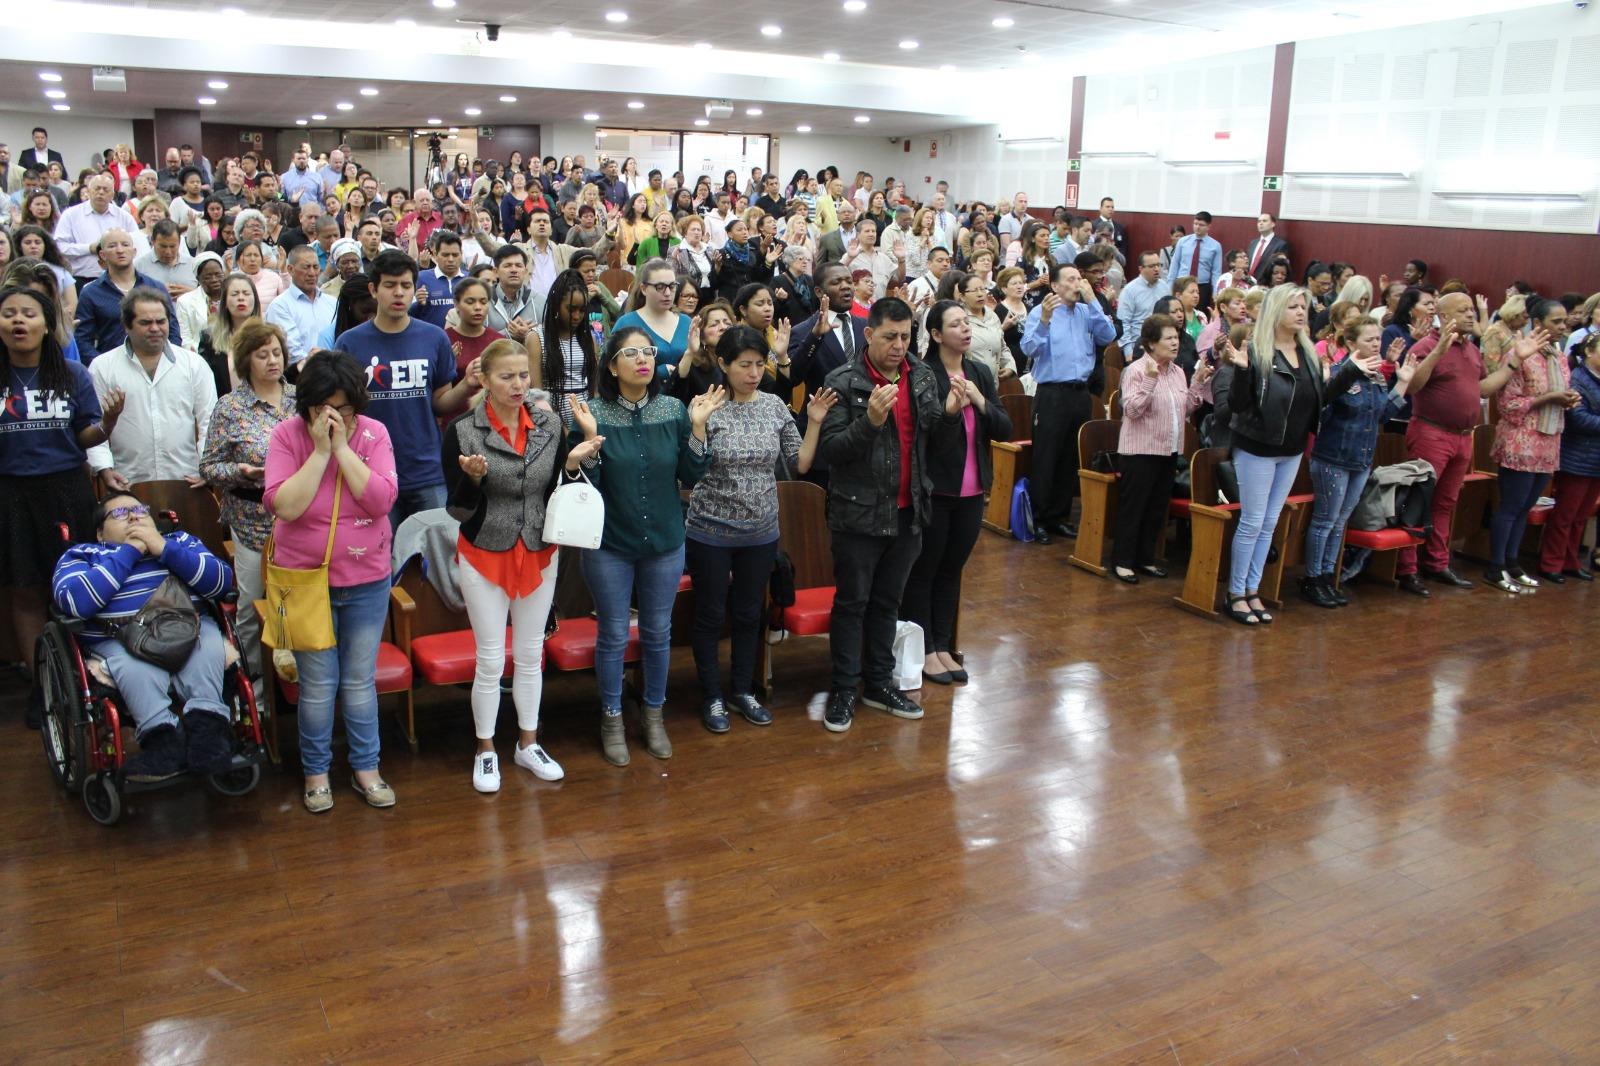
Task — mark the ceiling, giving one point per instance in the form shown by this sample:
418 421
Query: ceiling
270 100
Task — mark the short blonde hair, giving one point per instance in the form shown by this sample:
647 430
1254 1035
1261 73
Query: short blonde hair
1230 294
690 220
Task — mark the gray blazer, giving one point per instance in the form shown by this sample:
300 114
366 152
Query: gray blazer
509 503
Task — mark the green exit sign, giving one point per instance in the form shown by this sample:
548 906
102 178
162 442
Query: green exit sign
1272 183
1074 165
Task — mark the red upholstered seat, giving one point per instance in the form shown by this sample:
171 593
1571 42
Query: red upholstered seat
811 613
571 646
1537 516
1178 507
685 583
393 674
1305 497
450 658
1379 540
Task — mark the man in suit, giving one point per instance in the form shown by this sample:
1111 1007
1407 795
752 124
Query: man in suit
41 152
834 244
1119 232
1266 247
830 338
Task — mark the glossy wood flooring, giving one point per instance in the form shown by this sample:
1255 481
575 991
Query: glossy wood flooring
1370 836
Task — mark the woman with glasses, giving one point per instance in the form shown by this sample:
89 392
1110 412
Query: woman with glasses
988 334
651 309
649 445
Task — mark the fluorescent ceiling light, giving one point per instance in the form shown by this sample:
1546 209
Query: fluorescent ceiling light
300 122
508 99
49 75
591 117
635 105
753 112
1086 154
54 94
367 90
616 16
771 30
435 121
561 35
946 68
207 101
455 129
232 12
702 122
61 107
344 105
1191 164
473 112
319 118
406 24
802 129
1029 142
1003 23
1351 179
908 45
218 85
1514 197
855 7
830 57
444 5
863 119
702 46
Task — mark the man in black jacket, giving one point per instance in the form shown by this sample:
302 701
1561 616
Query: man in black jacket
875 439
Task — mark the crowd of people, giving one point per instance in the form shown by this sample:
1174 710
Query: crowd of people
332 357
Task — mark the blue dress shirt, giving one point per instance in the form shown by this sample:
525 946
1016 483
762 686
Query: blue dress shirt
1068 349
1210 258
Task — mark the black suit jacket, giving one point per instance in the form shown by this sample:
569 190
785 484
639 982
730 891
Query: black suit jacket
815 354
1276 246
29 156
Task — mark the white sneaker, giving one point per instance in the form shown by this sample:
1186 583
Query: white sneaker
486 771
534 760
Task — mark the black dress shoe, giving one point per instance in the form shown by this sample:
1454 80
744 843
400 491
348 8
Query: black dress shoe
1581 575
1413 584
1065 529
941 678
1447 576
1041 537
1154 571
959 677
1128 578
1553 577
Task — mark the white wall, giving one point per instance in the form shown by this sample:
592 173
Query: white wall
870 152
1507 105
79 139
567 138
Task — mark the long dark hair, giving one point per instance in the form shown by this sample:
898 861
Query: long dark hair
55 381
555 364
52 254
345 314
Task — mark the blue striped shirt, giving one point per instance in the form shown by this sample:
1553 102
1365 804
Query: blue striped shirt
110 582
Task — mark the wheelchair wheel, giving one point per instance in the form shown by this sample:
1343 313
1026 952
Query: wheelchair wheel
240 782
102 798
62 726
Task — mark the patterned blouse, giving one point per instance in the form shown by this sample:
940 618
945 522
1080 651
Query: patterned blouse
241 427
1528 438
736 503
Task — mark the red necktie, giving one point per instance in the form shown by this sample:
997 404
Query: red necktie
1194 261
1255 260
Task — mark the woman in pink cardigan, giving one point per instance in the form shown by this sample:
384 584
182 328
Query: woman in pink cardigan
1156 400
333 442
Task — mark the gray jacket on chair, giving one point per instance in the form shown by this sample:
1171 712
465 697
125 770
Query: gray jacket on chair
509 503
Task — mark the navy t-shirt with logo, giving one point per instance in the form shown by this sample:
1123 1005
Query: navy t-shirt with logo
39 433
402 371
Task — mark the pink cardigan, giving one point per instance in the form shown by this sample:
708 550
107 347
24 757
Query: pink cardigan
1154 409
361 545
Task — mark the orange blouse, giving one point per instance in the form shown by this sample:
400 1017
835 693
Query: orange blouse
518 571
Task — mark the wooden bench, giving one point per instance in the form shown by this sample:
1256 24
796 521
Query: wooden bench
1012 460
1480 494
803 536
1212 523
1098 492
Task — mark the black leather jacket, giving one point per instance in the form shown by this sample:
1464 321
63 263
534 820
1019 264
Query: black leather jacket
1259 404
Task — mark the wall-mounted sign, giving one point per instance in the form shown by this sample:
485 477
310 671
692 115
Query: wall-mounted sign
1272 183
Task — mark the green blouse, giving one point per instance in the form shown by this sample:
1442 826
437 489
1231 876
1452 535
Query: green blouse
649 450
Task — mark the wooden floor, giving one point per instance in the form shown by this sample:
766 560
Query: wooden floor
1370 836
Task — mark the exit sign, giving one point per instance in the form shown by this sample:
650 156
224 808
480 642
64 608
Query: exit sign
1074 165
1272 183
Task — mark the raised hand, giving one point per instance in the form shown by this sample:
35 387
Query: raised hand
474 466
780 341
1419 330
973 393
704 405
694 336
1383 285
820 403
956 401
899 248
1530 345
585 451
881 402
111 410
1236 356
1048 308
825 318
1407 369
1203 372
583 418
1397 350
321 431
1372 365
336 432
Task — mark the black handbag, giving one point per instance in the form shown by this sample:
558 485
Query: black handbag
1104 462
783 581
166 629
1227 481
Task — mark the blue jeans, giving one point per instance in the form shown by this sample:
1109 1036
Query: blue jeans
1338 491
1519 491
144 686
410 501
1264 484
348 671
613 581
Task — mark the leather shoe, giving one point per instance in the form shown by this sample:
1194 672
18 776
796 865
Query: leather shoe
1065 529
1413 584
1580 574
1126 577
1154 571
1041 537
941 678
1553 577
1447 576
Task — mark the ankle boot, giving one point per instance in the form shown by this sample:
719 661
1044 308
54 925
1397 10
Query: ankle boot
1315 591
655 734
1336 592
612 741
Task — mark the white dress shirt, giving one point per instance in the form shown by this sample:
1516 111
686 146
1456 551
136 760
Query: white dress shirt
80 226
164 419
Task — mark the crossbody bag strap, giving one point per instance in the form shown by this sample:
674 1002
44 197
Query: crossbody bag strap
333 523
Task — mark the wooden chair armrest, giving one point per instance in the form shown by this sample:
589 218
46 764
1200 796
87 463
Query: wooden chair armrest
402 607
1095 475
1005 446
1210 512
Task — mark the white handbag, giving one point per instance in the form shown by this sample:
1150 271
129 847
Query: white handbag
908 655
575 515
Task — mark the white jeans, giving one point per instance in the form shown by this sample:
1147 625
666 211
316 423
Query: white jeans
487 607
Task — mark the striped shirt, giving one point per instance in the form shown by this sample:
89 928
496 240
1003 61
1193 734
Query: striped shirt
110 582
1154 408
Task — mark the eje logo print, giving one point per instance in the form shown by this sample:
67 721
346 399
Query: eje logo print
402 376
28 406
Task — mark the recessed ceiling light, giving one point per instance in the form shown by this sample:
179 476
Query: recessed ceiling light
616 16
345 105
406 24
435 121
946 67
752 111
455 129
218 85
561 35
508 99
300 122
908 45
704 46
368 91
207 101
591 117
863 119
61 107
444 5
232 12
1003 23
855 7
54 94
319 118
472 111
830 57
49 75
802 129
771 30
702 122
635 105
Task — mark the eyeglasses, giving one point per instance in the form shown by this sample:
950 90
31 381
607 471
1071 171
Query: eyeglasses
346 411
647 352
122 514
665 288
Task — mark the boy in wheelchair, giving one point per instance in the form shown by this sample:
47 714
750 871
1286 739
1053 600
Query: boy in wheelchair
106 584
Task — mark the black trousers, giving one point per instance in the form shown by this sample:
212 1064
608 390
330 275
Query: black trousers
934 588
1058 413
1143 492
729 583
869 576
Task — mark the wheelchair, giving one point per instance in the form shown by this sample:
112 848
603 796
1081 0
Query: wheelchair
83 716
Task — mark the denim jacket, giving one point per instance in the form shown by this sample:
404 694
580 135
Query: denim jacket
1580 441
1351 421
